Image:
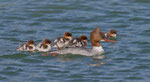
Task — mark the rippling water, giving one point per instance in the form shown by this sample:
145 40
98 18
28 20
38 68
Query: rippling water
127 60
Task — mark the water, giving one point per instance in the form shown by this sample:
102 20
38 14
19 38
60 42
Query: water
125 61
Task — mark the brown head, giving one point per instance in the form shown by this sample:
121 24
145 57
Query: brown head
112 33
67 35
30 42
96 36
46 41
83 38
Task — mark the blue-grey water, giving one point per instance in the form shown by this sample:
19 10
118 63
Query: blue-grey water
128 60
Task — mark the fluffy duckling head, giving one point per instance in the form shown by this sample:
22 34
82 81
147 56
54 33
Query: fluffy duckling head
68 35
46 41
112 33
30 42
83 38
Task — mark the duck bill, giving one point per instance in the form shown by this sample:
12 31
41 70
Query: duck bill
109 40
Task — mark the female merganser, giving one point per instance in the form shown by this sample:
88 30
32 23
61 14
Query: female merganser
62 42
96 37
78 42
44 46
111 33
29 46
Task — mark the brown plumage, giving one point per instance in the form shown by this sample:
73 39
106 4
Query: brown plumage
46 41
30 42
113 31
83 38
96 36
67 34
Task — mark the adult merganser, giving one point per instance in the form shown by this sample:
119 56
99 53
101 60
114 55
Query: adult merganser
96 37
29 46
63 41
78 42
111 33
44 46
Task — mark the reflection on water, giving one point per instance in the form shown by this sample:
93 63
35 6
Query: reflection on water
97 62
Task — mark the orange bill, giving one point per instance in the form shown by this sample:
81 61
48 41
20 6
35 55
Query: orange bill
109 40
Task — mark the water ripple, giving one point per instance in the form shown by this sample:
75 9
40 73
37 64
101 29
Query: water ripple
126 60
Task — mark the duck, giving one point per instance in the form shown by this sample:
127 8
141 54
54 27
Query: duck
61 42
111 33
96 37
81 41
44 46
28 46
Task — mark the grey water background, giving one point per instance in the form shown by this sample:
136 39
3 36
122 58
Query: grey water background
128 60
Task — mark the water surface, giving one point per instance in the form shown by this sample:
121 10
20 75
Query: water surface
124 61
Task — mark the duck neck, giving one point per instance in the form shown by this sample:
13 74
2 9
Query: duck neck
95 43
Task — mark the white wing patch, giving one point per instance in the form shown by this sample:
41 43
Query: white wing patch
61 39
74 41
61 43
55 40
